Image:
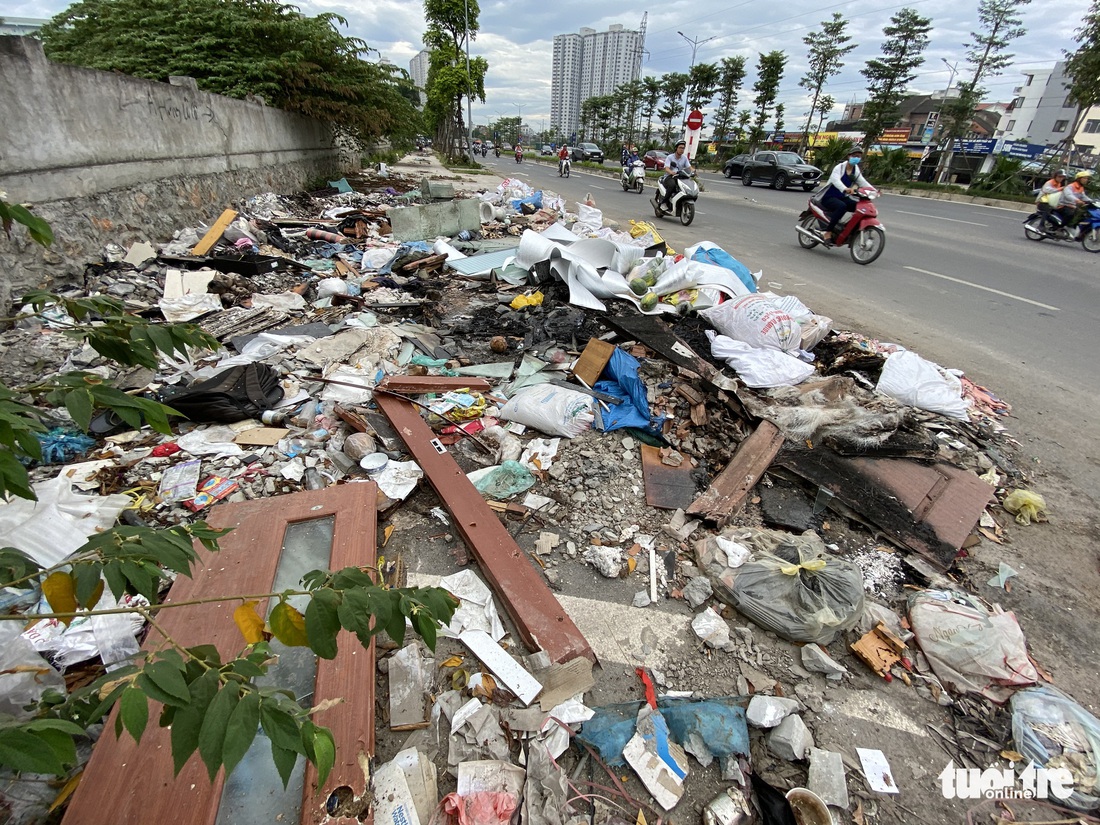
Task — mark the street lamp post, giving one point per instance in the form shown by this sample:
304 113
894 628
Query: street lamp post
519 126
695 44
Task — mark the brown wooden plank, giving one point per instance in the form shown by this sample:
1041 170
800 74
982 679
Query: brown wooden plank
416 384
351 675
592 361
540 619
729 489
666 487
127 782
928 508
214 233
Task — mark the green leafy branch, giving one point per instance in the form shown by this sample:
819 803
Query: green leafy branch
13 213
211 706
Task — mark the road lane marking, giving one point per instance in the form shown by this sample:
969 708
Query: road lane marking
938 218
986 288
597 186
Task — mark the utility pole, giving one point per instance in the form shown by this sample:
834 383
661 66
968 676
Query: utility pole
695 44
945 155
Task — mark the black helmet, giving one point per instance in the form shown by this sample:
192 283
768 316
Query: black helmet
1061 173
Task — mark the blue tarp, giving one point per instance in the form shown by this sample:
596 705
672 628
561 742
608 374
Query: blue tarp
620 379
719 257
720 723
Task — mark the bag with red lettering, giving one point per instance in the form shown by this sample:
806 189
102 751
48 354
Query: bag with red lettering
756 321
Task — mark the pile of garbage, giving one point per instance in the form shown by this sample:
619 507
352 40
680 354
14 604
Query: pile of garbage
665 425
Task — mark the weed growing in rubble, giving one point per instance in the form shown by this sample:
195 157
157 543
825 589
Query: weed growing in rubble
213 705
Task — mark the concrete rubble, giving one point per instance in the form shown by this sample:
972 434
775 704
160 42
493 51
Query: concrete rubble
421 279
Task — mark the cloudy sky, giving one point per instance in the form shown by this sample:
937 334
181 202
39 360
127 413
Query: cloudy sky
517 40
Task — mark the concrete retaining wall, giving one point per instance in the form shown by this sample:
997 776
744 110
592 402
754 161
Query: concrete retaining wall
106 157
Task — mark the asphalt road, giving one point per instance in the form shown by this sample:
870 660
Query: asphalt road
958 283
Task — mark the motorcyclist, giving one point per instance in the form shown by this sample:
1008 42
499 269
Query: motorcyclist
630 154
678 161
845 179
1071 206
1051 193
563 155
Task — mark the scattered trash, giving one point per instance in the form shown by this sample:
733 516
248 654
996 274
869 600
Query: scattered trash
1004 573
913 380
712 629
1053 731
880 650
971 649
877 771
1026 506
660 763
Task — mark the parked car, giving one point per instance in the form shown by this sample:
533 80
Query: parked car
654 159
588 151
778 169
736 165
546 150
506 147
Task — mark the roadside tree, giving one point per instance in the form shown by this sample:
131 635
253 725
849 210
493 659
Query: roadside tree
452 76
769 73
888 76
731 76
1083 65
827 49
246 48
986 53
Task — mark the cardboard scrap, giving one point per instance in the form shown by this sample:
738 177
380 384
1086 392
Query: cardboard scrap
660 763
262 436
561 682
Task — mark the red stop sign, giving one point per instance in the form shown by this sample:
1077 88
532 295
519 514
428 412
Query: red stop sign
695 120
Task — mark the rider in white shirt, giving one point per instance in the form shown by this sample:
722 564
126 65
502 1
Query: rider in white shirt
676 162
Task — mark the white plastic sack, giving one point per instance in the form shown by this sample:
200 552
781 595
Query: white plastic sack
286 301
20 688
589 220
553 410
970 649
919 383
756 321
327 287
759 367
1053 731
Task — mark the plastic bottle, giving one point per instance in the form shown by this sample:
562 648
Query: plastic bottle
275 418
313 479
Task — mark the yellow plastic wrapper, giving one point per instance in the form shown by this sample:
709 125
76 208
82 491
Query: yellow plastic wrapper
1026 505
523 301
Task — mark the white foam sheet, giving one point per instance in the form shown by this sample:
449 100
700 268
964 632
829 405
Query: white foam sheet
54 527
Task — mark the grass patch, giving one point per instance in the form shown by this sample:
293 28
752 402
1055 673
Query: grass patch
920 186
376 158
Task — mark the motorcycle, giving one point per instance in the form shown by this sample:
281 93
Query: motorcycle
563 167
683 202
519 155
633 177
496 149
484 151
1039 227
860 230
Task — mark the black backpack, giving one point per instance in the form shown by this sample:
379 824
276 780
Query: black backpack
233 395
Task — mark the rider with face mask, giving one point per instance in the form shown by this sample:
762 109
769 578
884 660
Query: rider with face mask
846 178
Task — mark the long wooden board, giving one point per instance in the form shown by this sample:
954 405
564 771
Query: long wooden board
539 618
727 492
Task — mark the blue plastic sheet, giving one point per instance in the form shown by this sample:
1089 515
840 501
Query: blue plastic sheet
534 200
719 257
720 723
621 380
60 446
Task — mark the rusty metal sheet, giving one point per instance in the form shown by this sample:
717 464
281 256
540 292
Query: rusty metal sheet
666 487
128 783
729 489
540 619
929 508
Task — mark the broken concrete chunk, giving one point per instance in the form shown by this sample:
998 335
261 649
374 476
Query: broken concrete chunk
769 711
827 777
608 560
791 740
641 599
712 629
697 591
817 660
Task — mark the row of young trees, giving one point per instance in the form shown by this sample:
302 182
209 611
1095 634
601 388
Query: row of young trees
629 113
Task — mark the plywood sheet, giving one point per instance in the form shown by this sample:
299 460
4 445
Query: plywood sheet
666 487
